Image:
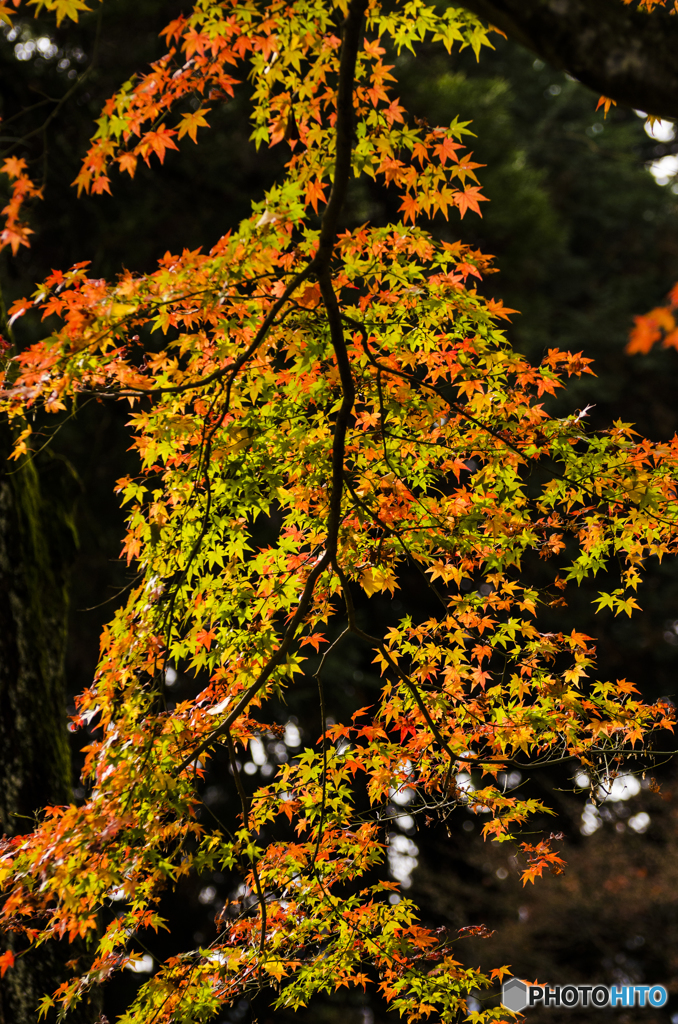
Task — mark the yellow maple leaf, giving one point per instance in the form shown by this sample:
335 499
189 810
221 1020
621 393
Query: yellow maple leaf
62 8
276 968
190 123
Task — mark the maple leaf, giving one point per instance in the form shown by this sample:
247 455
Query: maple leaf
606 103
204 638
532 873
315 640
6 961
62 8
276 968
83 180
310 297
128 162
447 150
410 205
498 309
15 238
315 193
13 166
469 199
190 123
101 184
158 142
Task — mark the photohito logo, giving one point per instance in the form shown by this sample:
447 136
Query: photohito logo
517 995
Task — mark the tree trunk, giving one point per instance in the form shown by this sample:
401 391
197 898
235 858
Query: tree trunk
37 543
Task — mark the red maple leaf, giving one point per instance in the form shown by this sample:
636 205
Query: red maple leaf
204 638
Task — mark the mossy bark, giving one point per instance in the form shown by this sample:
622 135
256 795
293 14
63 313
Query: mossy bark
37 544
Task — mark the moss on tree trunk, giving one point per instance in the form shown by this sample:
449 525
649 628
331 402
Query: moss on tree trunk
37 543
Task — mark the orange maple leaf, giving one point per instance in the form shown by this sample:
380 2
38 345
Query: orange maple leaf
315 193
469 199
157 142
13 166
410 205
447 150
315 640
6 961
205 637
128 162
606 102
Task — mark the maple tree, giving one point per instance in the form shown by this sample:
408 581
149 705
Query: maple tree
317 407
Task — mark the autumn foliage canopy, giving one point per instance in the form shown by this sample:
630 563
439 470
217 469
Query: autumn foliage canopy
317 407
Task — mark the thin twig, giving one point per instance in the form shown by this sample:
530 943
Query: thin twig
323 727
246 823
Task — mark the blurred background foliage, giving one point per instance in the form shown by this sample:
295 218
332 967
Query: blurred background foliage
584 238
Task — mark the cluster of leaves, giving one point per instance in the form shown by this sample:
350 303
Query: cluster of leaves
649 5
15 232
316 409
657 325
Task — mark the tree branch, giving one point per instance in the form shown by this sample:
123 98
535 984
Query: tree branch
614 49
320 264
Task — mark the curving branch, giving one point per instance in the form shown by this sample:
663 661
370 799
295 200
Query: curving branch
614 49
320 265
